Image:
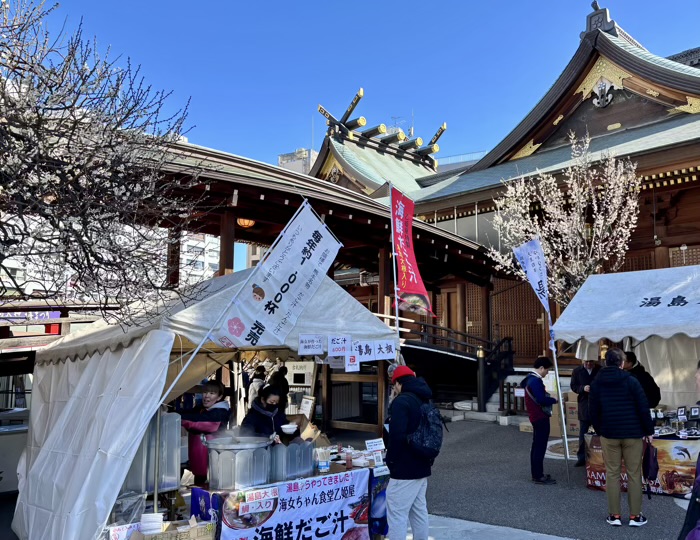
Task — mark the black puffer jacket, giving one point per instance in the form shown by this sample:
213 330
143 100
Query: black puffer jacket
618 406
651 389
404 417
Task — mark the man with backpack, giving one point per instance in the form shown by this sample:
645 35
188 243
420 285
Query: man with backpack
415 436
539 408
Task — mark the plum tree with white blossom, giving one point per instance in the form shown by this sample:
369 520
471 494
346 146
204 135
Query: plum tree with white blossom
584 219
85 207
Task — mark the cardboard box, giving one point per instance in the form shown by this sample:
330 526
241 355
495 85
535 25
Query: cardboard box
572 396
571 410
203 531
309 430
573 426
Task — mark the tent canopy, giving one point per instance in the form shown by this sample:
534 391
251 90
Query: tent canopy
330 311
97 389
638 305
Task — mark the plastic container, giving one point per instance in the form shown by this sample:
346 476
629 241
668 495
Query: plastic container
238 462
140 477
293 461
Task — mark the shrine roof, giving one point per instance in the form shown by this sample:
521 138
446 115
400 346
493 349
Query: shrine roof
377 166
628 143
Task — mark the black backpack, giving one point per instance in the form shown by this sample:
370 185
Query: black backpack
426 440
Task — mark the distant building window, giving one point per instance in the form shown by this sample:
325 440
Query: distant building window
196 265
214 267
196 251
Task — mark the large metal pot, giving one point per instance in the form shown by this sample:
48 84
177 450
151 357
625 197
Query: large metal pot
238 462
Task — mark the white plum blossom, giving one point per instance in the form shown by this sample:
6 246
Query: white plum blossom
584 219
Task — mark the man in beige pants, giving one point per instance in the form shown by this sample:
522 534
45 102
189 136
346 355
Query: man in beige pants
619 412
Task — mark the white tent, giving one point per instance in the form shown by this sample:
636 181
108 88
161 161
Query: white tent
657 315
96 390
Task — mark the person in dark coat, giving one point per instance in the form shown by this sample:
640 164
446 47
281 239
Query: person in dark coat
408 471
581 380
651 389
539 408
279 379
620 415
265 419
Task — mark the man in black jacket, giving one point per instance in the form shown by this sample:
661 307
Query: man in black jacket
620 415
581 380
651 389
409 472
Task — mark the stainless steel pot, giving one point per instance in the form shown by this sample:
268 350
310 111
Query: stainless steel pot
238 462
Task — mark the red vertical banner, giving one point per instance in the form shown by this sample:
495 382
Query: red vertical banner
410 290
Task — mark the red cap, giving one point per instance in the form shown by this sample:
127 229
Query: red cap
402 371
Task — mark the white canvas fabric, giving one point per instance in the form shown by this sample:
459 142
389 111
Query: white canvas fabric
611 306
656 313
87 420
97 389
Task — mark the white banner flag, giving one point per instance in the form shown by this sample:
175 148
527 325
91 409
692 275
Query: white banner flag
265 310
531 257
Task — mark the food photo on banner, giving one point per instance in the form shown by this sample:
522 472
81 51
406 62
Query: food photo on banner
677 459
410 289
333 507
265 310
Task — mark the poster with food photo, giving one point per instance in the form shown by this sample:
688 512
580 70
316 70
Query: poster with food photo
333 507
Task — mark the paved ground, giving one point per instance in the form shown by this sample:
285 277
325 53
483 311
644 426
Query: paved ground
444 528
482 475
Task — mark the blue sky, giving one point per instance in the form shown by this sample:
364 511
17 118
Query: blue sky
256 71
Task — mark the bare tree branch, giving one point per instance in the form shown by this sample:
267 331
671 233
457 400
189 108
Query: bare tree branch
84 206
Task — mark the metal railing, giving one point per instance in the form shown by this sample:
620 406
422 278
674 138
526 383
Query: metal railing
495 359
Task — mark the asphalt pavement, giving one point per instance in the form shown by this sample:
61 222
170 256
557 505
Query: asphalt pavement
483 475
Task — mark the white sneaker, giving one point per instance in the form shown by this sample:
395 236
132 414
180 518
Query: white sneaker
638 521
614 520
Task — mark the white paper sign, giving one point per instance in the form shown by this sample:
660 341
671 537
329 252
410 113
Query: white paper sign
385 349
267 307
519 392
310 344
375 444
307 406
381 471
364 350
339 345
352 363
378 459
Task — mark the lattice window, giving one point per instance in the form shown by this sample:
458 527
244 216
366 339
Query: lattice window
516 311
474 308
684 257
637 261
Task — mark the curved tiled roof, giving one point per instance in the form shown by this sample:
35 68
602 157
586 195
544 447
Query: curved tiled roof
619 50
379 168
679 129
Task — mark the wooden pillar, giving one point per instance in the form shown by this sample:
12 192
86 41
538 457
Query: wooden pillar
326 397
486 313
65 326
381 396
661 257
174 245
227 238
384 280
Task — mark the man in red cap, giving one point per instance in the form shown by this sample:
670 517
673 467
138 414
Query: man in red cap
409 472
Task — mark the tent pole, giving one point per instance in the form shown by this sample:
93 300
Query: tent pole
394 262
561 409
156 464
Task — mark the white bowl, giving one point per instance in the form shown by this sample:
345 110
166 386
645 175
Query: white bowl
289 429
